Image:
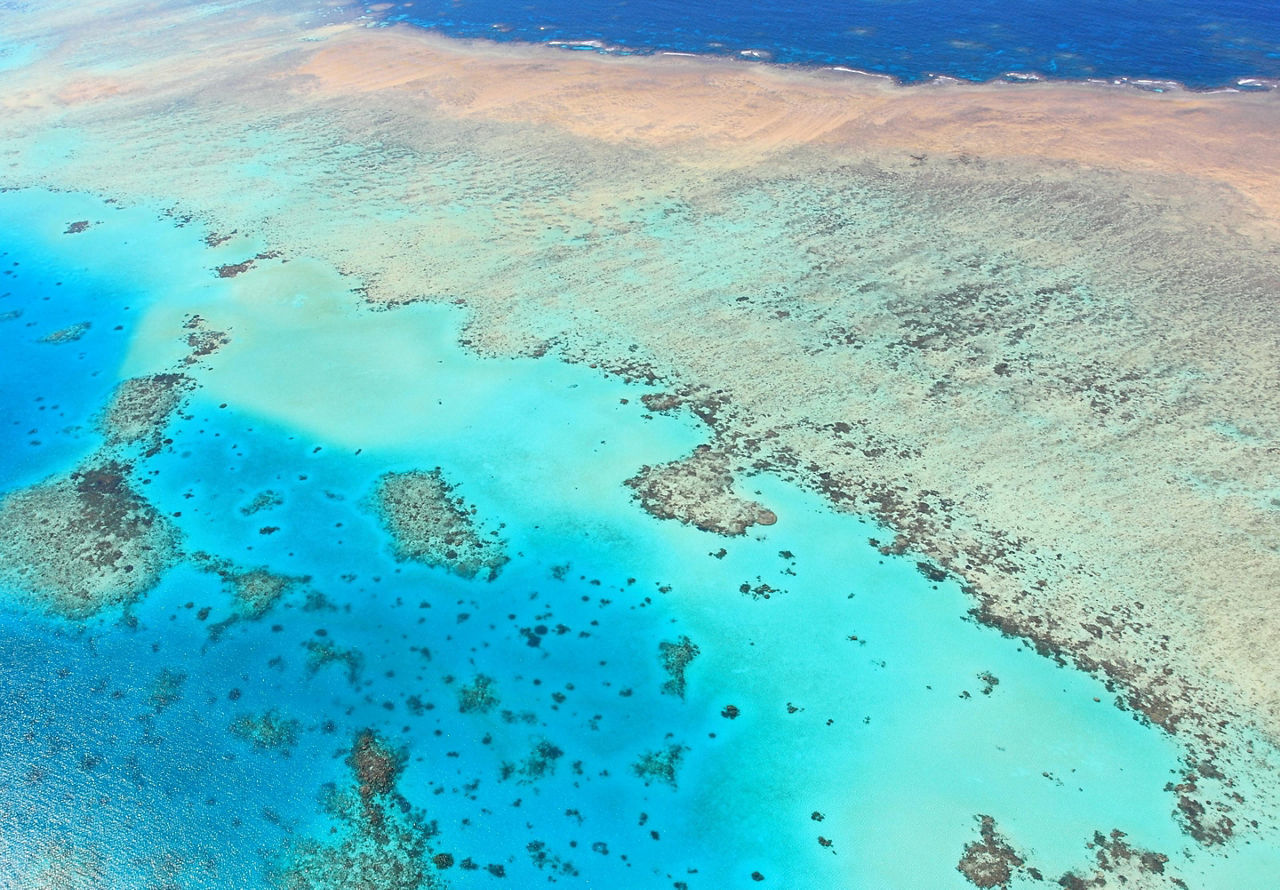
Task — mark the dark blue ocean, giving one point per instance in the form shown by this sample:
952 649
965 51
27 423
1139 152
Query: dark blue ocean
1203 44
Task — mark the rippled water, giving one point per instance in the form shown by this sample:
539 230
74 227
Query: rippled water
1201 43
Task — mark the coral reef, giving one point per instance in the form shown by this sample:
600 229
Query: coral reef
268 730
698 490
540 762
661 765
428 524
990 862
993 862
380 841
676 657
266 499
166 689
141 406
322 653
1122 865
255 590
69 334
479 696
84 542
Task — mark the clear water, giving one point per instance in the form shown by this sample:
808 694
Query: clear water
860 684
864 692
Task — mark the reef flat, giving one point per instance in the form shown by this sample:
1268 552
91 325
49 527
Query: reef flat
1032 340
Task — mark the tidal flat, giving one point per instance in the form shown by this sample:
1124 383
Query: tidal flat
523 464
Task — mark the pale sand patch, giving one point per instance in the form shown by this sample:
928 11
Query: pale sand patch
758 109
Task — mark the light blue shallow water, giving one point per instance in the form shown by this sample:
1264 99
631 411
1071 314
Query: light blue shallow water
864 692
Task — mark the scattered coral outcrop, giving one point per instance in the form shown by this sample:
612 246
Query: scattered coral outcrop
379 840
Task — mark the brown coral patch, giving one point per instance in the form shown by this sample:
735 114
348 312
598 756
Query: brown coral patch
698 490
141 406
990 862
85 541
429 524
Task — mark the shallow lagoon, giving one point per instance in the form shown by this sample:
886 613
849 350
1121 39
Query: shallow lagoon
863 692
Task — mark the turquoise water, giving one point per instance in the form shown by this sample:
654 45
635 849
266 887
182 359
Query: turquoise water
863 692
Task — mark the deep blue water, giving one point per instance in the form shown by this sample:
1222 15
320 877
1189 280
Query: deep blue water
1200 43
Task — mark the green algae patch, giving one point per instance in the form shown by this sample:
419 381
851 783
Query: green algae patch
83 542
268 731
255 590
479 696
429 525
141 406
698 490
379 839
660 766
676 658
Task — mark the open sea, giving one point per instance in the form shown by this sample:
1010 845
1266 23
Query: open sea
1203 44
303 695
